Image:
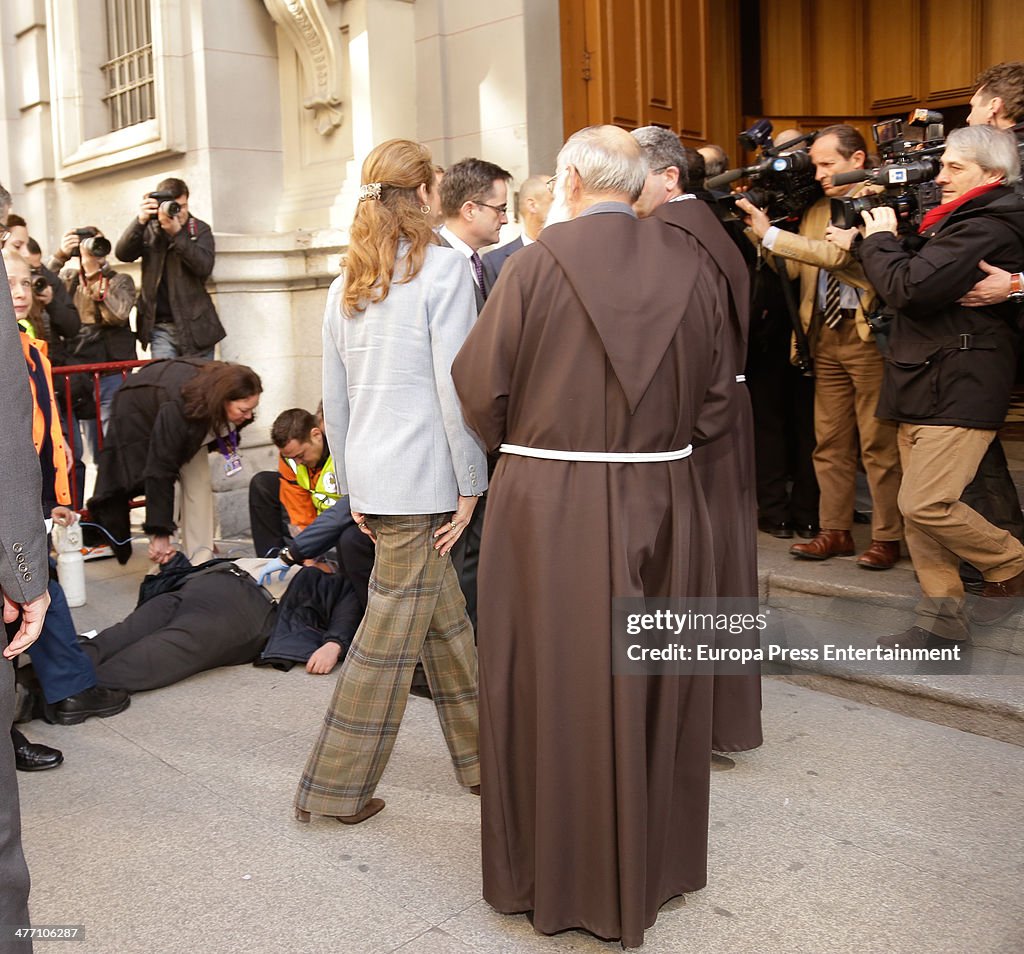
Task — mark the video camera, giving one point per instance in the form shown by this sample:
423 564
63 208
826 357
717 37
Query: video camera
784 183
94 243
907 173
168 205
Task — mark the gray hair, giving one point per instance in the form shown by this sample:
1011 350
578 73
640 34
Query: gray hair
5 204
607 159
662 149
995 150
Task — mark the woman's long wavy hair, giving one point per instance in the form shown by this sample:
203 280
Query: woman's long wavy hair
217 383
401 167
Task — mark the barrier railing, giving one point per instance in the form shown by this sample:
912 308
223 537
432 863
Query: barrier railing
62 389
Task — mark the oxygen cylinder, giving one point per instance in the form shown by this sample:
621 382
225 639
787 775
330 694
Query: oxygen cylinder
67 541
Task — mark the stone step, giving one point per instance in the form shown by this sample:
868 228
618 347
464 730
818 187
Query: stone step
835 602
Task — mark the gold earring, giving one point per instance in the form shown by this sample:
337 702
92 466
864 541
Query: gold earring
425 209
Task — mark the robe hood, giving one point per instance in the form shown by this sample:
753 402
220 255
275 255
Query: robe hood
628 274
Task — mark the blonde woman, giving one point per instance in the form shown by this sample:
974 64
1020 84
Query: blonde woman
413 471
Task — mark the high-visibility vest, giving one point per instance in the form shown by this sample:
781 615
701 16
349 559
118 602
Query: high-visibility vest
39 372
325 493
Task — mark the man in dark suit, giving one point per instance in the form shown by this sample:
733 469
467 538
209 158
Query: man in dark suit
23 581
534 201
474 199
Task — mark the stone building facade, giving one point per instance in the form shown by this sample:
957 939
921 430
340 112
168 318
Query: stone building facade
266 108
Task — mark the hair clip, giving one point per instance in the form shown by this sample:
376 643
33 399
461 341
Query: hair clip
369 191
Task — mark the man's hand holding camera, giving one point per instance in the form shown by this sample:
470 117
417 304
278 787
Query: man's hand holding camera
880 219
169 220
756 218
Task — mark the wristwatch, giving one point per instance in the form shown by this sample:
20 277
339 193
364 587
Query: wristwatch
1017 287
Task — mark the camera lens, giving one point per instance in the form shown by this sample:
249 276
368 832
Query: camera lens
39 285
97 246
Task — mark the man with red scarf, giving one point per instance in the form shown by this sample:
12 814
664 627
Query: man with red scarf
949 377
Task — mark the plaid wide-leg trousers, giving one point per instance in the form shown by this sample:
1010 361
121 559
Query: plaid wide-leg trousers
415 608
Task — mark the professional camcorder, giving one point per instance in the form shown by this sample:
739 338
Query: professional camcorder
907 173
783 181
94 243
168 205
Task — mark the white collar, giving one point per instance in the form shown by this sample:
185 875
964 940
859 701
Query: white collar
455 242
526 239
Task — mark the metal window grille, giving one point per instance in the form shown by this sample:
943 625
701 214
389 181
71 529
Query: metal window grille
129 67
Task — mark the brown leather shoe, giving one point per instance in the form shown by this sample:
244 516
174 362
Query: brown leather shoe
828 543
881 555
998 600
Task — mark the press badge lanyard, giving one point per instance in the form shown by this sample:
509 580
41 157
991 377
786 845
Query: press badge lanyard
229 450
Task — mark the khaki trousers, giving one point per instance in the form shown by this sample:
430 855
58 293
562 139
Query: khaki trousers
195 507
848 381
938 463
415 608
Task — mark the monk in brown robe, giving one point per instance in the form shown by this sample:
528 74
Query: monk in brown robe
603 338
726 465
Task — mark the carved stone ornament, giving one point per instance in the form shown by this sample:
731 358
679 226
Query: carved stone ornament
308 26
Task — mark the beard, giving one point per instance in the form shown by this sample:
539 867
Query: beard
559 211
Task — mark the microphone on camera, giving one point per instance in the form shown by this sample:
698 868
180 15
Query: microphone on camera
854 175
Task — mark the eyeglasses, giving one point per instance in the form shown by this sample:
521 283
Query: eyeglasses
500 209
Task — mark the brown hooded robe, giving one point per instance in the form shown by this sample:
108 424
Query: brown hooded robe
605 335
726 468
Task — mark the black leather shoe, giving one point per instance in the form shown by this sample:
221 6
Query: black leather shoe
807 531
33 757
918 638
782 529
90 702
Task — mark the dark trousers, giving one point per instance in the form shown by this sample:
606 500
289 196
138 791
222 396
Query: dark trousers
215 619
60 664
783 403
994 495
466 558
356 553
14 880
267 518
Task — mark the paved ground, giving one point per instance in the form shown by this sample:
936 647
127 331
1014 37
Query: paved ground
169 829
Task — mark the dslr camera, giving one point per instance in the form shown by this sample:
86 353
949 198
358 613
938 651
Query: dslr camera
783 183
39 282
94 243
907 173
168 205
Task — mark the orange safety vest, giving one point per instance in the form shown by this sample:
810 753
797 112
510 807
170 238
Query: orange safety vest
34 349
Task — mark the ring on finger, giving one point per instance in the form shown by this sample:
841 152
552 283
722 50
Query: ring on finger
453 524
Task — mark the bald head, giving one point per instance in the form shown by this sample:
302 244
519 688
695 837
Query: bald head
787 135
534 202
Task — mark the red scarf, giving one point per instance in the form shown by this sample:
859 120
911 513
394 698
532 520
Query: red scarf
936 215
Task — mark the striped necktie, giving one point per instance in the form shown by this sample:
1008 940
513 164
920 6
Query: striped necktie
833 313
478 269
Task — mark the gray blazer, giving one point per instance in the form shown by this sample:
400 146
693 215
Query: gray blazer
392 416
23 567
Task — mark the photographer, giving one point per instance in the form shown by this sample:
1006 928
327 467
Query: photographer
104 299
176 315
848 364
949 375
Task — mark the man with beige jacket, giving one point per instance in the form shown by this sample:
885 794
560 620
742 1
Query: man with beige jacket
848 365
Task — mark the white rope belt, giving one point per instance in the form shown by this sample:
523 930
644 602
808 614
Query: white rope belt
595 456
740 378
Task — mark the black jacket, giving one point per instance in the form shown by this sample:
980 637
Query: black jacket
187 261
148 440
947 364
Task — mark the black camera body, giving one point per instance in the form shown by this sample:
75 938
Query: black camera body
784 185
907 174
168 204
94 243
39 282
